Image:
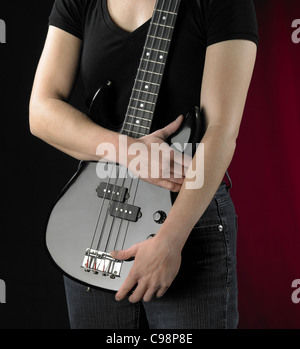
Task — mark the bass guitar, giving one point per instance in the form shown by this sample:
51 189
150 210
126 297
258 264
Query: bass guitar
96 212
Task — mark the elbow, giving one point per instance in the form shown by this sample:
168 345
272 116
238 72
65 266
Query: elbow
227 133
35 118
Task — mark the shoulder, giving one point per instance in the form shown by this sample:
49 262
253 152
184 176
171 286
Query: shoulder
69 15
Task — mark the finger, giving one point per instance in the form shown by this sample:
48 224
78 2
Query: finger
124 254
180 163
138 293
172 186
149 294
161 292
168 130
177 171
126 287
175 179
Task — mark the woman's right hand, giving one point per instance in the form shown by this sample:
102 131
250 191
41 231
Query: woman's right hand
166 170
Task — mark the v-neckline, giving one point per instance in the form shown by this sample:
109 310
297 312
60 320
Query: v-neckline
113 26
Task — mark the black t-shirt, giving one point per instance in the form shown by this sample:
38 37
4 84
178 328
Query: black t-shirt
110 53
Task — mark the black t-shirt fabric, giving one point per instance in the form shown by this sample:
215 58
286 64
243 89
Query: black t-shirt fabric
111 53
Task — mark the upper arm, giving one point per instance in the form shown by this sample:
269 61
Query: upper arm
227 74
57 68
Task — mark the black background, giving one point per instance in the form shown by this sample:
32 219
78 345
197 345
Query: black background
32 176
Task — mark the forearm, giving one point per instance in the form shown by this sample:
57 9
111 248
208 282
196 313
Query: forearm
69 130
219 147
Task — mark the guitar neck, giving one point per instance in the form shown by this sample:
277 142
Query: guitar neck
142 103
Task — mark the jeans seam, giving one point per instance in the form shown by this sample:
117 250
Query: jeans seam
227 263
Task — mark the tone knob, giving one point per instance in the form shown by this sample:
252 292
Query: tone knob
159 217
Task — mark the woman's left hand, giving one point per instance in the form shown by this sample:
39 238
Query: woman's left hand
155 267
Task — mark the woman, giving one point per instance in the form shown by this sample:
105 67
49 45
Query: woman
186 274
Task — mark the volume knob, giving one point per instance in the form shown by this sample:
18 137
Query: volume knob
159 217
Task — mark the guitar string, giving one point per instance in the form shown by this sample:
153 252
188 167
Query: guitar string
127 131
132 124
114 168
173 24
138 181
105 192
88 264
122 219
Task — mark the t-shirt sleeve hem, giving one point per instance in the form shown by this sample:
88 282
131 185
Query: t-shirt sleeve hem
68 28
236 36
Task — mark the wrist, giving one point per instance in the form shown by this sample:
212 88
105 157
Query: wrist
114 148
175 238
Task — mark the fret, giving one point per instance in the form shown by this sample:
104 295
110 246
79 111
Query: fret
137 125
146 86
153 49
134 117
150 67
150 93
139 109
163 25
161 31
147 76
164 19
141 101
143 96
160 45
147 82
140 113
150 61
134 132
158 38
169 12
150 72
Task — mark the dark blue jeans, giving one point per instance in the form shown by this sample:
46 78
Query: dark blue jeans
203 295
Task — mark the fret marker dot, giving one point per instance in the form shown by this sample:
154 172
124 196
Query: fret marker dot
161 57
164 18
148 54
137 121
142 105
146 87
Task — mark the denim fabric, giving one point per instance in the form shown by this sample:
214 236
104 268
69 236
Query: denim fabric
203 295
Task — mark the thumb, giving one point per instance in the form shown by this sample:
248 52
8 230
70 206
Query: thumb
124 254
168 130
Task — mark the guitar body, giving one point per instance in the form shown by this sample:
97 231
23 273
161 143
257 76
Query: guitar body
72 223
83 226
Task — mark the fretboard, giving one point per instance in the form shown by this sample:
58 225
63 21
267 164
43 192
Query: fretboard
142 103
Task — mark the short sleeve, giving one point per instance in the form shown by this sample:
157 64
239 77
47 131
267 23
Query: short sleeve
231 19
68 15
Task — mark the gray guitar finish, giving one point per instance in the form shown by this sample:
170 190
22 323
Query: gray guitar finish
72 223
